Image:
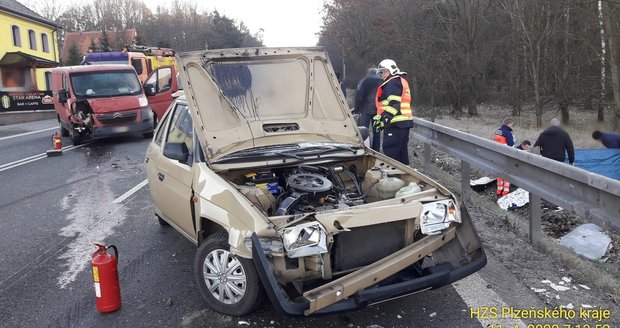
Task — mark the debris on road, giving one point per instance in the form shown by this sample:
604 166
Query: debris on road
588 240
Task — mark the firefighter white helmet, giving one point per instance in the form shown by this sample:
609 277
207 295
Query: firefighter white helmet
390 65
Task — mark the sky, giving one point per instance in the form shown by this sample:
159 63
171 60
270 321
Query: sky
285 22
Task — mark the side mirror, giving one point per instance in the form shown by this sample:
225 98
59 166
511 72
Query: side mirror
63 95
176 150
149 90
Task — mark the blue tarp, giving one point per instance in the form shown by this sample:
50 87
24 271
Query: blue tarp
600 161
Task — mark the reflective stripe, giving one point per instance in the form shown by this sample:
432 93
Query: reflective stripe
396 98
385 102
406 112
401 118
390 110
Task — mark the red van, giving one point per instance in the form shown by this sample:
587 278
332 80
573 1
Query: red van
100 101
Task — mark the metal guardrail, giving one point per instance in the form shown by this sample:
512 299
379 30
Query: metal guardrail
589 195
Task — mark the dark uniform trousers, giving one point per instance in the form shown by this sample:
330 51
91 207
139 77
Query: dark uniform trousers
395 143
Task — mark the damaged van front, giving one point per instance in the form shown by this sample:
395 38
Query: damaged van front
99 101
282 193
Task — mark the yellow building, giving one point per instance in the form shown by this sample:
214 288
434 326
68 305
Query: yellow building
29 48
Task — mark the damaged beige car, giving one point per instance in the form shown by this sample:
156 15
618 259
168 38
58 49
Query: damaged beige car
262 166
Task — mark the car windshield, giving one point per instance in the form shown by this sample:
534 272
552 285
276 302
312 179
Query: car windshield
105 84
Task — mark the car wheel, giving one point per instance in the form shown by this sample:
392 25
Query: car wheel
229 283
161 221
76 138
63 132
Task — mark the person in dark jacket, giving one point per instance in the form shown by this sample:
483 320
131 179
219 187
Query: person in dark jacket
555 143
506 129
609 140
365 104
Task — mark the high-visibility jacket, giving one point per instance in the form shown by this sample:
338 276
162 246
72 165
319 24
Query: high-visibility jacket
499 138
397 105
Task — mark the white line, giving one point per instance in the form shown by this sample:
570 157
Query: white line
33 158
27 133
130 192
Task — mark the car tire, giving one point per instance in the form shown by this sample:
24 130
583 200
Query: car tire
161 221
76 138
235 297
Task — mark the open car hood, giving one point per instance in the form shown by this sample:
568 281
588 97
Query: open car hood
256 97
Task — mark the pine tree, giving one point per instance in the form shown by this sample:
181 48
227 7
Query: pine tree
74 57
93 46
104 42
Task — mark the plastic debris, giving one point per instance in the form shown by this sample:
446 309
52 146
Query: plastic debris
433 314
584 287
244 323
538 290
566 279
588 240
586 306
567 306
515 199
398 316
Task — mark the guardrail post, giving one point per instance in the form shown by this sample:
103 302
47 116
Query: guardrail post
535 219
465 193
427 156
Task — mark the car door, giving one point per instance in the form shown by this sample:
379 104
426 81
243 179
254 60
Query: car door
159 88
170 180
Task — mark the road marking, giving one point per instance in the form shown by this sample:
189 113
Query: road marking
27 133
130 192
37 157
479 298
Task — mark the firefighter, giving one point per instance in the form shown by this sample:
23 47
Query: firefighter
503 185
394 114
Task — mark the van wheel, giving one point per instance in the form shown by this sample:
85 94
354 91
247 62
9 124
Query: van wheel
76 138
63 132
229 283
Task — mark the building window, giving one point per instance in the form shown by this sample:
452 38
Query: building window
14 77
45 43
17 39
48 81
32 39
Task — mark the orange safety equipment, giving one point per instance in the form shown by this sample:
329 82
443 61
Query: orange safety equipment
57 141
405 113
105 277
503 185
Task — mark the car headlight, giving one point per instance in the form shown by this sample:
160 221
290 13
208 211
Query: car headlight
437 216
304 239
143 101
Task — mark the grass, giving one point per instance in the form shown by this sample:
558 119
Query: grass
490 118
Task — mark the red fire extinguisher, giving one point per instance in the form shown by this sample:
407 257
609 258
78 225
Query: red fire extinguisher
57 141
105 277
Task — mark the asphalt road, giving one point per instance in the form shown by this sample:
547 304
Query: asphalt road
52 211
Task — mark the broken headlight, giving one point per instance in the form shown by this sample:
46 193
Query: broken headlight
304 239
437 216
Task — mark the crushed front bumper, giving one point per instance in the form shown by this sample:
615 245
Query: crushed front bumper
361 288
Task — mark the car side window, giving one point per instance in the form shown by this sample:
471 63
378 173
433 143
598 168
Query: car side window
181 128
159 137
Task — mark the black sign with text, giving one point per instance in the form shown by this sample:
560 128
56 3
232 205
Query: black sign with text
25 101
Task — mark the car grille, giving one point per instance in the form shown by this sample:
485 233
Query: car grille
364 245
117 117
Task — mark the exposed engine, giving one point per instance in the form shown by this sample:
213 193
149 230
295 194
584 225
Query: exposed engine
307 189
82 114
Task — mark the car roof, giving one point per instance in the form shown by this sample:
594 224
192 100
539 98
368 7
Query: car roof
91 68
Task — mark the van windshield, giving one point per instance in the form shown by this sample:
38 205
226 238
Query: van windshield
105 84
